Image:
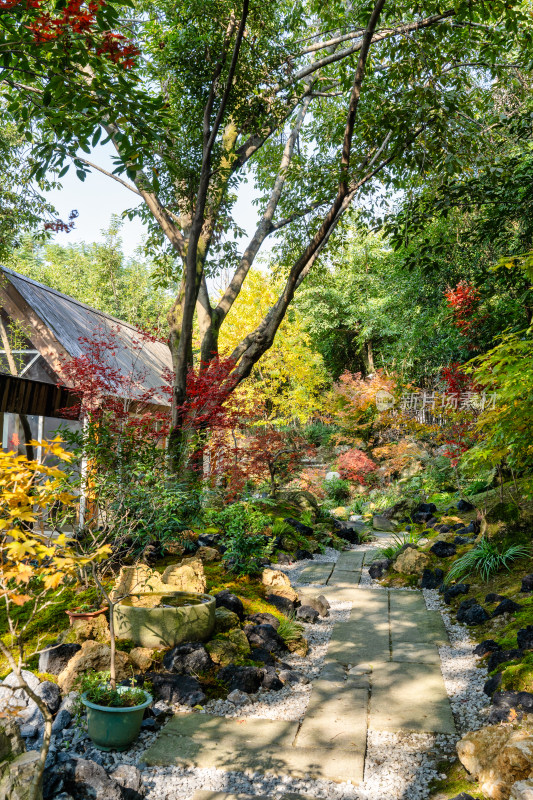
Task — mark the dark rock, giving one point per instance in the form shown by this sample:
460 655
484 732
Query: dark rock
379 567
264 618
283 604
427 508
492 597
271 680
462 796
454 591
306 614
305 530
431 522
191 657
128 776
210 540
151 554
527 583
422 516
442 528
524 637
266 637
244 679
62 721
87 780
55 660
464 505
228 600
471 613
501 656
320 604
50 693
459 526
172 688
486 646
492 684
461 540
303 555
283 558
432 579
291 676
150 724
260 654
504 702
507 606
443 549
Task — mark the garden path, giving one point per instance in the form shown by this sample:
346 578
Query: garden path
381 673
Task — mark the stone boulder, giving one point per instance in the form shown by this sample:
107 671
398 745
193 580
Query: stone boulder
230 648
320 604
243 679
263 618
382 523
137 579
524 637
228 600
208 555
379 567
188 576
95 628
26 710
142 658
527 583
17 775
128 776
92 656
174 689
225 620
485 647
443 549
54 660
279 584
305 530
497 756
271 681
84 779
283 604
411 562
500 656
507 606
432 579
307 614
50 694
299 646
451 592
266 637
471 613
188 658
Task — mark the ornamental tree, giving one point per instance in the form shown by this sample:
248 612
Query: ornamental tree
351 98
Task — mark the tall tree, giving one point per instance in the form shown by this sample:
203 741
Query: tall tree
321 103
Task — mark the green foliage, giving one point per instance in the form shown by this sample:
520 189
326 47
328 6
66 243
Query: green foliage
485 560
245 551
319 433
290 630
337 489
98 690
238 518
281 528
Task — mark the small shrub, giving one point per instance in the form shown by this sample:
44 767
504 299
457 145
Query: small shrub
319 433
485 560
355 466
290 630
337 489
281 528
399 540
238 518
245 552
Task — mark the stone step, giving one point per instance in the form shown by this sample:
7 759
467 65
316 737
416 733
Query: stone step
202 794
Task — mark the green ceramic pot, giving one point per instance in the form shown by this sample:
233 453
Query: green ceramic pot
114 728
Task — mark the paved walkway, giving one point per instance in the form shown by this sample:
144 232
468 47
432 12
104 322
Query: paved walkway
381 672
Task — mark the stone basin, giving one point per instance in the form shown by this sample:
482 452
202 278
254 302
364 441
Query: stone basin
177 617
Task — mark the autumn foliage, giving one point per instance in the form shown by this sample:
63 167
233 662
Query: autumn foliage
355 466
463 302
353 402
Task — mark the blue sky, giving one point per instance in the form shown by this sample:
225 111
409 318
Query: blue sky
98 197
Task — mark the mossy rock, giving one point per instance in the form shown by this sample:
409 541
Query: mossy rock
517 676
504 512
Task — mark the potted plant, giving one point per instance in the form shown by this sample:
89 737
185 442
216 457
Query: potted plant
114 713
86 611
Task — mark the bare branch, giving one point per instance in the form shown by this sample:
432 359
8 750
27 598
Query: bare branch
109 175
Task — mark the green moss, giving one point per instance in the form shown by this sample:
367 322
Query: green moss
517 676
456 781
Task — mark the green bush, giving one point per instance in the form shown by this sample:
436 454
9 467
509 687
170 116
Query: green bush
244 552
238 518
318 433
399 540
485 559
290 630
337 489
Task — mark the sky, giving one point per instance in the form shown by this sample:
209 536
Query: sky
98 197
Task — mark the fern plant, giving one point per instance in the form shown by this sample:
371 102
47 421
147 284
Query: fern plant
485 560
399 540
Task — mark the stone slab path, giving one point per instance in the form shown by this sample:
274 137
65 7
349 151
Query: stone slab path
381 673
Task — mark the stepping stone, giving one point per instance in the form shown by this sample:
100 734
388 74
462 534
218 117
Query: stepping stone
409 697
336 717
344 578
366 639
350 560
417 627
206 795
419 653
317 573
402 603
